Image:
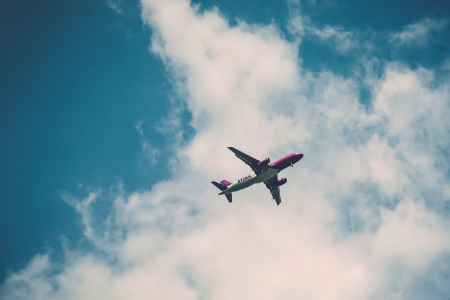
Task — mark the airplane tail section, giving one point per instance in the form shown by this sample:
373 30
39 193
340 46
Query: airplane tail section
221 186
225 183
229 197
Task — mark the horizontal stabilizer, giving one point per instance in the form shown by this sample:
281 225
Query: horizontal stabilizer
219 186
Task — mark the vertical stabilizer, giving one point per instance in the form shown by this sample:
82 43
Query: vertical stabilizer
225 182
229 197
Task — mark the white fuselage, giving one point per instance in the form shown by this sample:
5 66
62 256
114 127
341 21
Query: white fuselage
250 180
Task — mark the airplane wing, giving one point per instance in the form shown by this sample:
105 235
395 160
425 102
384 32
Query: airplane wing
274 190
247 159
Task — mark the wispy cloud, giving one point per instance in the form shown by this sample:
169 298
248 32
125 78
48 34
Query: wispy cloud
115 5
418 34
343 40
300 25
138 127
364 213
149 154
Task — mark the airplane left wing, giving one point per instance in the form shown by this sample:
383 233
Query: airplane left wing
247 159
274 190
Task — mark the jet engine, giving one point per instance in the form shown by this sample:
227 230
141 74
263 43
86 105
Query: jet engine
264 162
280 182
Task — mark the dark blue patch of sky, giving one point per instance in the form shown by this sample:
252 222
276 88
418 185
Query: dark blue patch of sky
75 78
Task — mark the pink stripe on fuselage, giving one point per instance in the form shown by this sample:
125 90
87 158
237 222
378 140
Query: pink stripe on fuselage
286 161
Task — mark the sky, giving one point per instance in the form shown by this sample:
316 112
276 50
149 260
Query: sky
115 117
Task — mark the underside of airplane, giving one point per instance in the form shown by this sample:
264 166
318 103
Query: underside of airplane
263 171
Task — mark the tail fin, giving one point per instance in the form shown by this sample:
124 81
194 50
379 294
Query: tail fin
229 197
225 182
223 187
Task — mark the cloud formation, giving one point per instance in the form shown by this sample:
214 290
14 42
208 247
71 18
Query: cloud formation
149 154
364 214
300 25
115 5
418 34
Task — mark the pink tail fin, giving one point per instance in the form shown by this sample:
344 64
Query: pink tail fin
225 182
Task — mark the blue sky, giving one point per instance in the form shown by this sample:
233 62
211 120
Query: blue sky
115 116
76 79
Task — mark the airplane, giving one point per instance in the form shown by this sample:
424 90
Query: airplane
263 171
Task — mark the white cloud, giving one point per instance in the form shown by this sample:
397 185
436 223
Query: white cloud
138 127
418 34
300 25
342 39
115 5
383 172
149 154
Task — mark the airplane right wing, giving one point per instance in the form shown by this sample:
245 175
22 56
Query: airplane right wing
247 159
274 190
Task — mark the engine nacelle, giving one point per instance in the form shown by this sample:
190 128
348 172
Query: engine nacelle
264 162
280 182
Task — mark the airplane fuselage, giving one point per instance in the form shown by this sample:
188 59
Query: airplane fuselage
269 171
250 180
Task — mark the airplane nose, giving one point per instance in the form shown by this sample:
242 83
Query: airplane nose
299 156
